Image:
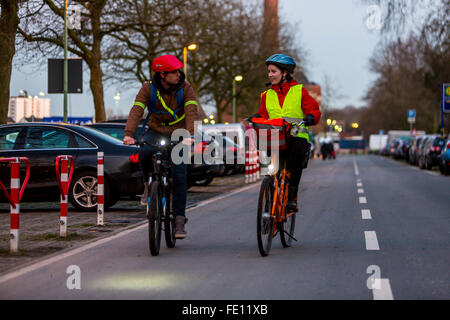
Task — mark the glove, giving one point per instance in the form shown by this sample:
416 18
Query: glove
309 120
250 119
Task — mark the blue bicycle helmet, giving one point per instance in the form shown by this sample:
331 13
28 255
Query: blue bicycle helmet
282 61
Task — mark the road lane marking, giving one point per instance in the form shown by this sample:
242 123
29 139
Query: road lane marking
366 214
95 243
360 190
359 184
382 290
355 167
371 240
362 200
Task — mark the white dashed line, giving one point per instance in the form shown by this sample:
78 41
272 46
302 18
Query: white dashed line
359 184
366 214
362 200
382 290
371 240
355 166
360 191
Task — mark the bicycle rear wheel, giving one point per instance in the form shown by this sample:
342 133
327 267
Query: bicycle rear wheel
265 221
169 219
287 229
154 211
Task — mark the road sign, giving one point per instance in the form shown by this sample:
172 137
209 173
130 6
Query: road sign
55 76
446 97
412 116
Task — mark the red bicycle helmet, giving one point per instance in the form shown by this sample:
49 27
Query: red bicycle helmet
166 63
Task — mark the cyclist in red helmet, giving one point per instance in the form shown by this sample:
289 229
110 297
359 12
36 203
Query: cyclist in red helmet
287 98
172 104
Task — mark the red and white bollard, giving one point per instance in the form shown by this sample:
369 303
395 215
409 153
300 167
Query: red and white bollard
257 166
100 189
64 182
15 209
14 198
247 166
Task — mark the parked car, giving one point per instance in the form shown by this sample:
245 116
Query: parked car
386 150
412 152
431 152
235 162
420 150
444 163
398 152
200 174
43 142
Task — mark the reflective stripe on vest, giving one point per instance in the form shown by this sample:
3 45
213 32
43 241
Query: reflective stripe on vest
292 106
174 115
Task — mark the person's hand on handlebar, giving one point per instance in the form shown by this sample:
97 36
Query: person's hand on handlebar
188 141
128 140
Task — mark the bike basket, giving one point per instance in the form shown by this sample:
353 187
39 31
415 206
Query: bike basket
274 131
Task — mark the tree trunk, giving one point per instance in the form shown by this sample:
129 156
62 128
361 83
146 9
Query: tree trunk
96 85
8 28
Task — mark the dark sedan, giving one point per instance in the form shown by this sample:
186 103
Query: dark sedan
43 142
200 174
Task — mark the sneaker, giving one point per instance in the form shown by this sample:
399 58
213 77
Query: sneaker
144 195
291 205
180 233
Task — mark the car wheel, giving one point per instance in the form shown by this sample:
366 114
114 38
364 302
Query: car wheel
203 182
229 170
83 191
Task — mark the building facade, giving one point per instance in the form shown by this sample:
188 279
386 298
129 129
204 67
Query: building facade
22 109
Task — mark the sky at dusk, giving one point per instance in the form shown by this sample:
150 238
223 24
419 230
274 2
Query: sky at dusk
334 34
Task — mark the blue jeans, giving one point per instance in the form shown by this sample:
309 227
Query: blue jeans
179 172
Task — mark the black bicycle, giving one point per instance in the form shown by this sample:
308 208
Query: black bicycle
160 197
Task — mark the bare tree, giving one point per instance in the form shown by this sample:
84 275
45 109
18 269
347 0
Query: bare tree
99 18
9 20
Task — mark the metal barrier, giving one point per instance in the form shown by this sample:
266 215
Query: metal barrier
64 179
15 197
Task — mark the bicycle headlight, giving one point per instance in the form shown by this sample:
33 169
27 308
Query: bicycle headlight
162 142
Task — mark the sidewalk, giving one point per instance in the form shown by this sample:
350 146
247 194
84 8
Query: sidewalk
39 223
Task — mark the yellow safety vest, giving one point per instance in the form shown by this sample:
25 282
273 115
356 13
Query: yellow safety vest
292 106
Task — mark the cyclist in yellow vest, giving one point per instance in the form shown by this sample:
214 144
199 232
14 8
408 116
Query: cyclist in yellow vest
167 115
287 98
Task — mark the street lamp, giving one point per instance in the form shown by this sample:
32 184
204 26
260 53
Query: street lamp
236 79
190 47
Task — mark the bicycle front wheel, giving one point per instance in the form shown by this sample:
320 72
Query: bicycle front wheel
169 219
265 221
154 210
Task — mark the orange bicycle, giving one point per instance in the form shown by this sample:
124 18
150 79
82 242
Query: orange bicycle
272 216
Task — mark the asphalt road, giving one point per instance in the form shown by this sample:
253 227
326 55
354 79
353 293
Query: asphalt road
362 218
